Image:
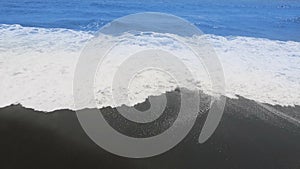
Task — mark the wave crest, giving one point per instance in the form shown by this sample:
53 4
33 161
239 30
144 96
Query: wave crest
37 67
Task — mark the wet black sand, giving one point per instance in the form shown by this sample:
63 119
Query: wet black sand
248 137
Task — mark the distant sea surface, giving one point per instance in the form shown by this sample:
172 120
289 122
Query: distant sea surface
272 19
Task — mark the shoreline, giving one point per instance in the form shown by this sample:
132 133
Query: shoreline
248 136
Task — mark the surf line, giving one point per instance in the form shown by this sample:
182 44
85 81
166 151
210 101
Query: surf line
280 114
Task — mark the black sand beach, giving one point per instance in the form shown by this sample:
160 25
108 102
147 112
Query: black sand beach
250 136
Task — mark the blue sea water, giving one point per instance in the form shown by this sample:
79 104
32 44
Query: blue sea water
272 19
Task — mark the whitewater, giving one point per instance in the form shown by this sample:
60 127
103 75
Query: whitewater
37 68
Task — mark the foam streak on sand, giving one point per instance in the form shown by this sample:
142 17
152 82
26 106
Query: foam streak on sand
37 67
280 114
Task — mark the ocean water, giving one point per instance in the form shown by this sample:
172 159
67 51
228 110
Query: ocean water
272 19
257 42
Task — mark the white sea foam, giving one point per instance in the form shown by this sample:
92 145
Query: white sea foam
37 68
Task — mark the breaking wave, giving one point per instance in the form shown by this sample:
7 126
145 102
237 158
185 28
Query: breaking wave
37 68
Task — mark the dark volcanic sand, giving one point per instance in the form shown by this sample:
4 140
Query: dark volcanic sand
248 137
